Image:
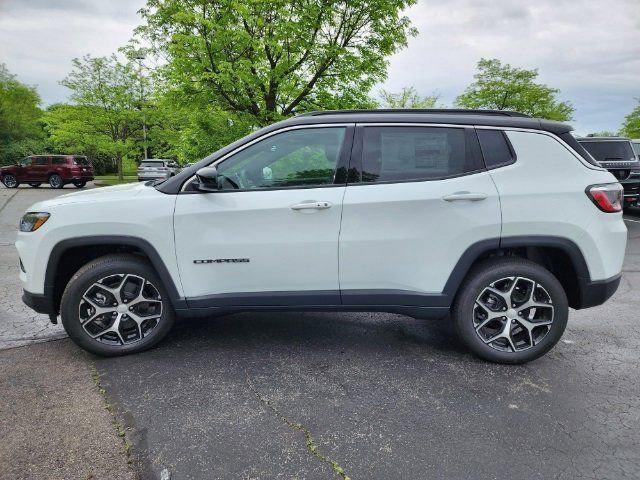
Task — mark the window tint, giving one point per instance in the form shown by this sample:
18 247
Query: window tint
80 161
59 160
40 161
25 162
610 151
495 148
304 157
415 153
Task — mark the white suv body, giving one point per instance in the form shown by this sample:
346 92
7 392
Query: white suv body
392 211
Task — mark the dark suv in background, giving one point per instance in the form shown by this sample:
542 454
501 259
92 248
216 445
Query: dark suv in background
56 170
617 155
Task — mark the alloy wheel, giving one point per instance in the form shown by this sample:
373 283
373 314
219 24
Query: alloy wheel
513 314
120 309
55 181
10 181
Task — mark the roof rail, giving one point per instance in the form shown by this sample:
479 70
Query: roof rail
440 111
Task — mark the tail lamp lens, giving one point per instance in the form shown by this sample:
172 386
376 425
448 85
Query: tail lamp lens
608 198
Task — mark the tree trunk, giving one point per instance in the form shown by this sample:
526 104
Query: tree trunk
119 165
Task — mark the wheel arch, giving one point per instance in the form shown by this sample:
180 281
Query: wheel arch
559 255
69 255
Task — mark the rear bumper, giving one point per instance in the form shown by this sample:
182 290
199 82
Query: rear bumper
593 293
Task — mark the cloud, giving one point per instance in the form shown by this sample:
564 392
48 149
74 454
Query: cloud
39 38
588 49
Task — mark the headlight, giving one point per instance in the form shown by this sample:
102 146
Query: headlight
33 221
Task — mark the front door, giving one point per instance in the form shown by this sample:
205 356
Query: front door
421 198
269 236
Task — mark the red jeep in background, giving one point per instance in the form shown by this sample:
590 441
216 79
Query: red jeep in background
56 170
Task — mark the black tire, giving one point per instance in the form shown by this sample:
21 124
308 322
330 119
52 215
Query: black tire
93 272
55 181
80 184
492 270
35 185
10 181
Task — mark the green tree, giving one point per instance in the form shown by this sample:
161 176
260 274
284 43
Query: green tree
631 125
275 58
107 92
20 128
503 87
408 97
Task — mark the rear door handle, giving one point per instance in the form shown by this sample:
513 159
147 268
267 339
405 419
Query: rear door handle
312 206
468 196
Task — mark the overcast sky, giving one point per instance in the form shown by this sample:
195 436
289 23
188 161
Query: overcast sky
589 49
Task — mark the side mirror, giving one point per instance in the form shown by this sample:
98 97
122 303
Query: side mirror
207 179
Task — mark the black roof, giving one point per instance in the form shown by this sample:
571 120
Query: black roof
447 111
603 139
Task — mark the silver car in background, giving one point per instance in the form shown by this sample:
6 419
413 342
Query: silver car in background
157 168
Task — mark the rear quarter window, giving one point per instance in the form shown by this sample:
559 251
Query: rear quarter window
496 149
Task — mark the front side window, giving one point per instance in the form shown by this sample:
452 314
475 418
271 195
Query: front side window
80 161
636 148
25 162
415 153
295 158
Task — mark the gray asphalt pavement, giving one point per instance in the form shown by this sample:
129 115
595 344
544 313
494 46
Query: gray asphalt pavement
374 396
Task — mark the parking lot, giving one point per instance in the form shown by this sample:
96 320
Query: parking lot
362 395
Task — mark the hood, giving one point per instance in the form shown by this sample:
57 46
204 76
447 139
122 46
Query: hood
117 192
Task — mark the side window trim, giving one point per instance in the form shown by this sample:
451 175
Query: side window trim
355 164
339 174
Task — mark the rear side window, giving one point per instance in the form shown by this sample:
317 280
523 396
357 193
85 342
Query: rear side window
496 150
40 161
59 160
415 153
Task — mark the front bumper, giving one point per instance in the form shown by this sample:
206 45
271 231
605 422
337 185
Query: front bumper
593 293
41 303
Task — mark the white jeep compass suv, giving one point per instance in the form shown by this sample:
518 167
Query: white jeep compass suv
500 219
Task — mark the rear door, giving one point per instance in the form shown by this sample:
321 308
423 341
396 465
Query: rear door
418 198
39 169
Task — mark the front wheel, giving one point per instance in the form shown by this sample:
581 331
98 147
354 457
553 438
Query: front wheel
10 181
510 310
80 184
116 305
55 181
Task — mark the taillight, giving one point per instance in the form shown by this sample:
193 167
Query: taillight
607 198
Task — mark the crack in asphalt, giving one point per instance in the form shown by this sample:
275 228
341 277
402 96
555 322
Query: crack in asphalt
312 446
8 200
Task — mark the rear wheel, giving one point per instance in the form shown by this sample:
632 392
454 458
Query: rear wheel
55 181
10 181
35 185
510 310
116 305
80 183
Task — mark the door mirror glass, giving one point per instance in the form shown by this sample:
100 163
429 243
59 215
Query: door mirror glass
207 179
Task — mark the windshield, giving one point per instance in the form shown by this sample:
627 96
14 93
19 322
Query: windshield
610 151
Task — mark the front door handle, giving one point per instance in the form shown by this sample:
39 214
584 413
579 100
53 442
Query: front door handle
312 206
468 196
